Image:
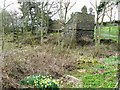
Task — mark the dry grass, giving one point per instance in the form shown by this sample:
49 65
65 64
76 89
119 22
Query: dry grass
20 63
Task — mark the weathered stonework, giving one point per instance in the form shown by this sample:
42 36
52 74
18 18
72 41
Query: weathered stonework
82 23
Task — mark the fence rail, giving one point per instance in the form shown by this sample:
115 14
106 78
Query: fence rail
109 32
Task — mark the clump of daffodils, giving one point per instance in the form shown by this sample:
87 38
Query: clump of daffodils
40 81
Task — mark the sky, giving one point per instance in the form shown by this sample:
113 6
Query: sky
76 8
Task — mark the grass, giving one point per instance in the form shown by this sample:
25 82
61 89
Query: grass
109 33
98 75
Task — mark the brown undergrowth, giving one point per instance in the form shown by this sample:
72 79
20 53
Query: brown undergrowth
27 61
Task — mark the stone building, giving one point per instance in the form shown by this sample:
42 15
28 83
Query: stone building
82 23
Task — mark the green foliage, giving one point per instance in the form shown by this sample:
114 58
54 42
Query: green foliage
104 79
98 74
112 60
101 7
40 81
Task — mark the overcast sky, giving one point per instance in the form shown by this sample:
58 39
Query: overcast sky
77 7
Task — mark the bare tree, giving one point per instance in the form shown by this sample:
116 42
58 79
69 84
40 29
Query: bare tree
2 47
64 6
111 6
2 41
100 10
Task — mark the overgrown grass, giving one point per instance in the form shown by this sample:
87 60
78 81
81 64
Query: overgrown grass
94 74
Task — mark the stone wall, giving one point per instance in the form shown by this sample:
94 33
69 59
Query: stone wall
85 21
84 34
82 23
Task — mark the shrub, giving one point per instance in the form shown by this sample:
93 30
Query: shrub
40 81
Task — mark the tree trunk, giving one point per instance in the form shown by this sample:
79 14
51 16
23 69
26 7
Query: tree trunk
98 31
42 15
97 38
119 50
2 48
118 46
119 56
